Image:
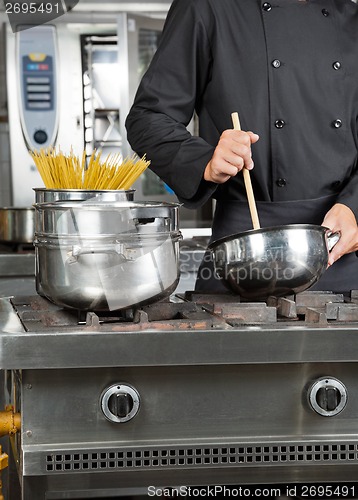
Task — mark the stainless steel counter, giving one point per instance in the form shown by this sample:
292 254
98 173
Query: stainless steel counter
17 264
17 274
192 251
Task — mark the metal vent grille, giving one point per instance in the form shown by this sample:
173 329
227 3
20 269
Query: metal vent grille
193 457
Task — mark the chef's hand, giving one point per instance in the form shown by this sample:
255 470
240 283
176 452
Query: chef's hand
341 218
232 154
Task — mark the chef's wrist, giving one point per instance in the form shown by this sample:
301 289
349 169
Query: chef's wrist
206 174
352 207
349 196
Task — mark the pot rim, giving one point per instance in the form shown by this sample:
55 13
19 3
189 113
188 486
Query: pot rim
53 190
110 239
100 206
263 230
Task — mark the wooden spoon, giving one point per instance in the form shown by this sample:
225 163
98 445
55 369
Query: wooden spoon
247 180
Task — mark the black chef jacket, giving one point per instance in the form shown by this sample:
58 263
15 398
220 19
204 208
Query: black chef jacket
288 67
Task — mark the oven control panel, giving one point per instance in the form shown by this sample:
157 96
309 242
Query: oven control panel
37 69
327 396
120 403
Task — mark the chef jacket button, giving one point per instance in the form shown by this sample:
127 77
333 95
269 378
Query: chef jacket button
325 12
276 63
337 123
280 123
266 6
336 65
281 182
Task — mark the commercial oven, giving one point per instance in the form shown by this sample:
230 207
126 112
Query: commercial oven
70 85
44 84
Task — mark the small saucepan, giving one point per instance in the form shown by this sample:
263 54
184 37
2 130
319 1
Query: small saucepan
273 261
17 225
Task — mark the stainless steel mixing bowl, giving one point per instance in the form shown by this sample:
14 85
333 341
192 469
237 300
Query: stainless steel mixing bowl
273 261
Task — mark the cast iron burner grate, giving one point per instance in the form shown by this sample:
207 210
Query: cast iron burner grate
195 311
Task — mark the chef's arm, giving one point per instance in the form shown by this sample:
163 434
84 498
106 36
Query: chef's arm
167 96
178 158
341 218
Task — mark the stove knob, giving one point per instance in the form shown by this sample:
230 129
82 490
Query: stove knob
327 396
119 403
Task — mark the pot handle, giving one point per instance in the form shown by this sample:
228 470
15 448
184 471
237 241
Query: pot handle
332 239
119 249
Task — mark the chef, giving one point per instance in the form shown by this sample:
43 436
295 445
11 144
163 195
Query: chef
290 70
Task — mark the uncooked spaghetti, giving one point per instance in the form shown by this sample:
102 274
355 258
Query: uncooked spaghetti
60 171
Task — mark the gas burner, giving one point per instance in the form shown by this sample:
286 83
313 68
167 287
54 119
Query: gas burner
194 311
318 306
311 307
36 313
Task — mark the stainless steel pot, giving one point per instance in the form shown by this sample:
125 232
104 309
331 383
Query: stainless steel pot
44 195
104 257
273 261
17 225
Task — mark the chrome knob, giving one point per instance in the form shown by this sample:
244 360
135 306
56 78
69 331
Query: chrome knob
120 403
327 396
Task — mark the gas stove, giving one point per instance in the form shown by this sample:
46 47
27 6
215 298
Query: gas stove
219 327
198 311
200 389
